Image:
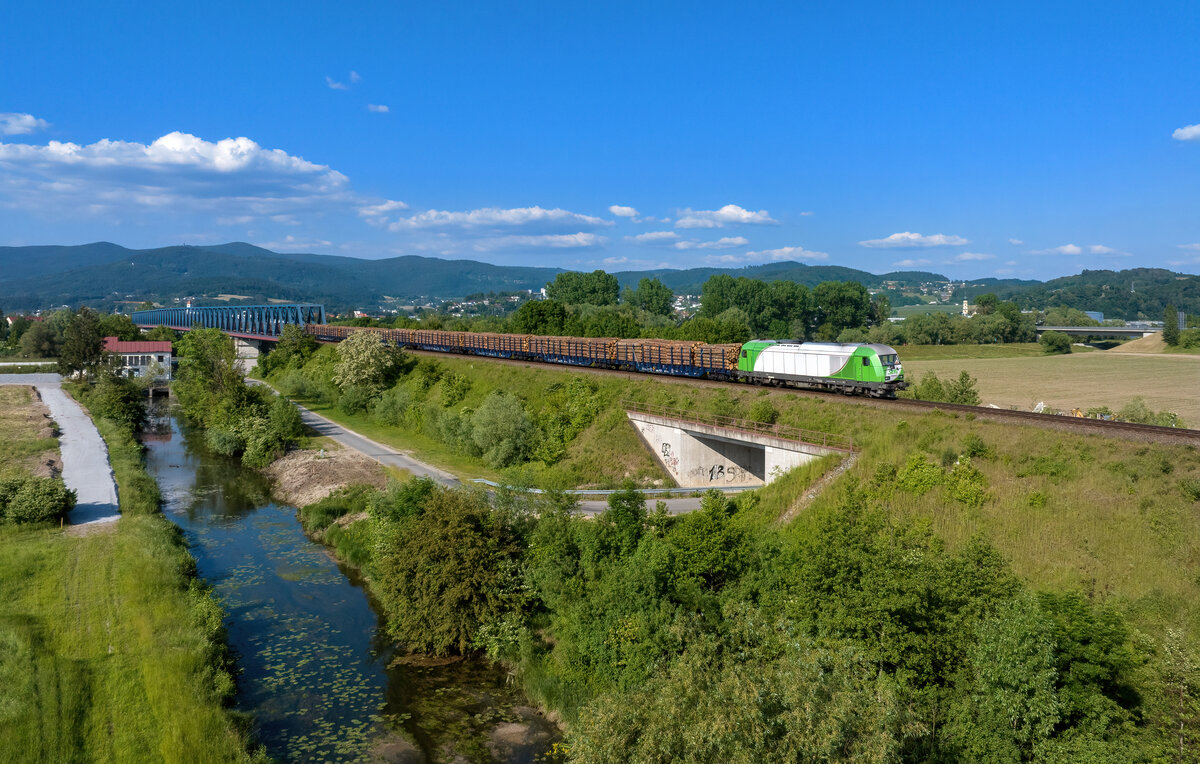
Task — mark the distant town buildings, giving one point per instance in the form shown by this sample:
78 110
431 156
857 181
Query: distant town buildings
142 358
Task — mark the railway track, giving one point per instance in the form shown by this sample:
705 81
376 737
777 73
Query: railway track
1130 430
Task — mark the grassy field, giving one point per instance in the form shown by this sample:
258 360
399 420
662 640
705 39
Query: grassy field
1079 380
24 436
109 649
945 352
904 311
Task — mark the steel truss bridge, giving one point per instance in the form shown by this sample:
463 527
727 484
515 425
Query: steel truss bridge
256 322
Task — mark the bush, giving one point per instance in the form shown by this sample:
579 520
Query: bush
118 399
1189 338
762 411
36 500
454 388
502 431
1055 342
354 399
285 420
224 441
967 484
1190 488
919 475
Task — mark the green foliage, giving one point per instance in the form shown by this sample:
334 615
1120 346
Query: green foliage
1136 410
119 325
502 431
40 340
1055 342
83 343
763 411
919 476
544 317
454 388
975 447
574 288
1190 488
294 347
161 334
654 297
345 501
1170 333
962 390
568 409
366 364
966 484
1189 338
355 399
454 569
34 500
777 309
402 500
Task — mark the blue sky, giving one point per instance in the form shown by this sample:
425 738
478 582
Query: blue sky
1016 139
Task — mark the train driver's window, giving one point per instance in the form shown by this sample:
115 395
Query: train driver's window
743 354
866 361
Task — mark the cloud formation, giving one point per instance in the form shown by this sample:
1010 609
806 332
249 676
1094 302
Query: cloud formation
1190 246
493 217
969 256
335 85
730 214
785 253
179 172
377 108
14 123
725 242
653 237
622 211
1075 249
1015 242
548 241
910 240
1188 133
910 263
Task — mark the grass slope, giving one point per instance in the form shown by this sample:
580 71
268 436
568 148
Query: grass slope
110 650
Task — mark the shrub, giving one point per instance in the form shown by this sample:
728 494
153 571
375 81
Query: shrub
762 411
454 388
974 447
919 475
39 500
967 484
285 420
1189 338
401 500
929 389
354 399
1055 342
224 441
962 390
1190 488
393 407
118 399
502 430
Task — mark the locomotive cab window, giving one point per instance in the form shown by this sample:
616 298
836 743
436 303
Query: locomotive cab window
743 354
866 361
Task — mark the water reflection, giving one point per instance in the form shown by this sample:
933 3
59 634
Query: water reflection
318 675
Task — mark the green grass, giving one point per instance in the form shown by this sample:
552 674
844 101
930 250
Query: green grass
948 352
110 648
20 439
904 311
27 368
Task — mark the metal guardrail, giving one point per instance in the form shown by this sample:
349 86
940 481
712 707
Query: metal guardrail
645 491
781 431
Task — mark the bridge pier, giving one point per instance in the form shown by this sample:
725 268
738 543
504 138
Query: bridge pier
248 352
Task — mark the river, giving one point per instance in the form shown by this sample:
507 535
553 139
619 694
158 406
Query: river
317 674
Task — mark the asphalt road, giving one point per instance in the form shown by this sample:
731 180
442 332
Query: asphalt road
393 458
86 469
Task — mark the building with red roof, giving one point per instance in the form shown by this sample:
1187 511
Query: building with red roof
142 358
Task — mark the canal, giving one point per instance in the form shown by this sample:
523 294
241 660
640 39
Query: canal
317 674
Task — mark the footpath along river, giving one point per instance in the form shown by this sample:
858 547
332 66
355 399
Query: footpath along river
317 673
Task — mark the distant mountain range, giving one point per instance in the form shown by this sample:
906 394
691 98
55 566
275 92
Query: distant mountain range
106 276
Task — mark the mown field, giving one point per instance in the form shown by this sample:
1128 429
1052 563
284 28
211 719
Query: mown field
109 649
1168 382
1001 350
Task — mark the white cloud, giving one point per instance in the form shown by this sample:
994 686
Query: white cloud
774 255
635 264
377 108
966 256
1015 242
1190 246
1100 249
377 214
492 217
14 123
293 244
623 212
1010 262
725 242
1189 133
910 263
1065 249
177 173
653 237
335 85
550 241
730 214
806 214
909 240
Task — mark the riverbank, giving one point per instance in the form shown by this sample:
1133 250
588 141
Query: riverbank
110 648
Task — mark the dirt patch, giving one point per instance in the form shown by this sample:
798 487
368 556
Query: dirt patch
304 477
816 488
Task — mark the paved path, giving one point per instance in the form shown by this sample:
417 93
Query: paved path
84 454
393 458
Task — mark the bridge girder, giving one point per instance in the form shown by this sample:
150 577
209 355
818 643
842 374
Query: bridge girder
256 320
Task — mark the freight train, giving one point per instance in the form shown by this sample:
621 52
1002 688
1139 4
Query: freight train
850 368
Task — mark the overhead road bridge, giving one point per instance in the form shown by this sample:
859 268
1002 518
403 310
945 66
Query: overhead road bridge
251 322
1117 332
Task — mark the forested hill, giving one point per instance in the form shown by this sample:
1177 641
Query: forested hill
1130 294
691 280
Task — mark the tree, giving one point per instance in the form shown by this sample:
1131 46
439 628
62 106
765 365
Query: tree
1170 332
83 344
365 362
881 309
840 305
209 380
295 346
162 334
3 327
502 431
985 304
120 326
40 341
545 317
654 296
1056 342
574 288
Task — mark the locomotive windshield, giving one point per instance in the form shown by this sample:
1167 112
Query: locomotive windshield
889 360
